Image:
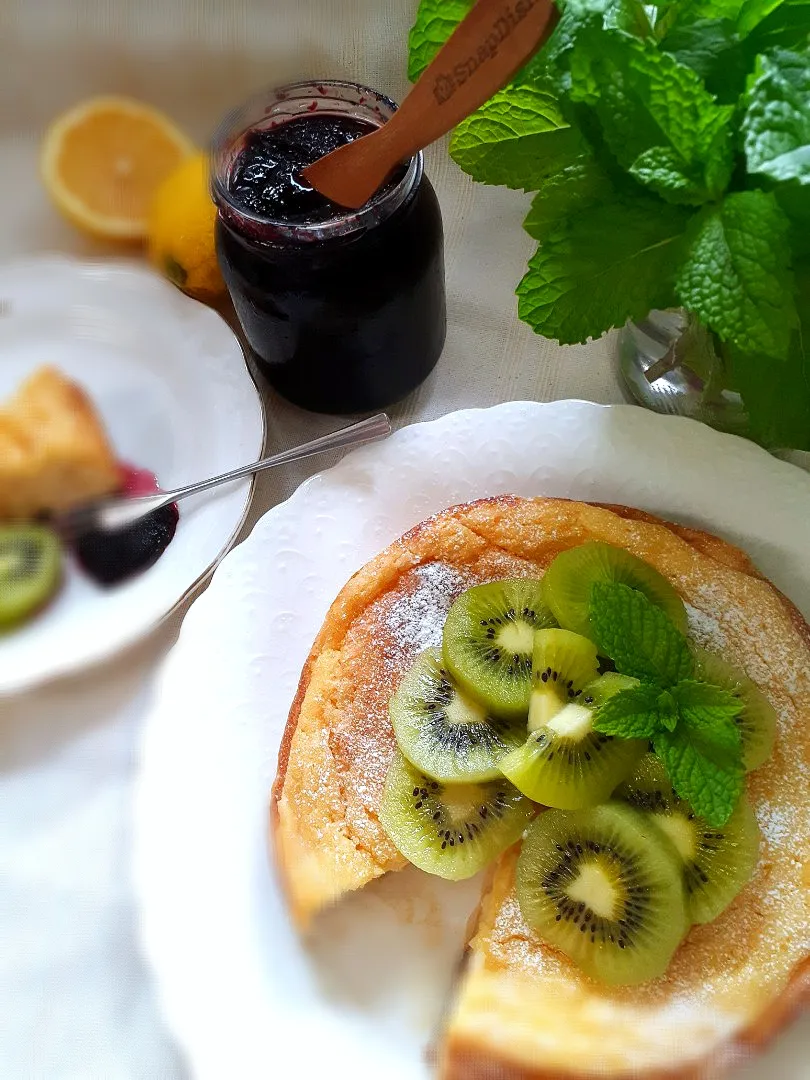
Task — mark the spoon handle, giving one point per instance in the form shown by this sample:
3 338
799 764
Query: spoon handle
366 431
120 513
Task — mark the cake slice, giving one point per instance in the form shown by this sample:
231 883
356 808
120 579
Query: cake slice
54 452
522 1011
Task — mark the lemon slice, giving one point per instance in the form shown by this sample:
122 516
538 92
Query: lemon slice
103 161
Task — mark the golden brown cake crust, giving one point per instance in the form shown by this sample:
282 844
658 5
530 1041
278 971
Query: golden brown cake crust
324 800
464 1061
54 452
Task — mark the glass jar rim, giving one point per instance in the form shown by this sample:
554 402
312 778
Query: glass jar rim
231 129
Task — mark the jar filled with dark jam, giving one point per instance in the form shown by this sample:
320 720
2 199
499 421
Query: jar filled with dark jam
343 310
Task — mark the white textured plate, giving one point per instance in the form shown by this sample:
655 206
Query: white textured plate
242 994
170 382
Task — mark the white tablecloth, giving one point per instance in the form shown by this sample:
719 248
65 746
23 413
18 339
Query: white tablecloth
75 998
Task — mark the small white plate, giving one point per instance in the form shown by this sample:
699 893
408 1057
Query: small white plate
170 382
242 994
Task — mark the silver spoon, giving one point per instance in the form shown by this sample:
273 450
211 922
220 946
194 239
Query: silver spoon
119 512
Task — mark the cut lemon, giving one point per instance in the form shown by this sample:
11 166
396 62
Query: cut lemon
103 161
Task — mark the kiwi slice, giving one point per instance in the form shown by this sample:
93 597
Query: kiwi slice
452 830
569 579
604 886
715 862
443 731
30 571
562 665
757 721
488 640
568 765
603 688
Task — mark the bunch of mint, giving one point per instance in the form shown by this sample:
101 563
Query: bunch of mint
689 722
669 147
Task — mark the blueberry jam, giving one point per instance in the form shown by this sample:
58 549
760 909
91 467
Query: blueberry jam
343 310
266 178
110 558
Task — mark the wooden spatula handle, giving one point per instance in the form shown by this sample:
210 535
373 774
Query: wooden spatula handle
489 46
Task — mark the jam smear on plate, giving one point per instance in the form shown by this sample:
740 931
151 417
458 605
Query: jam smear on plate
110 558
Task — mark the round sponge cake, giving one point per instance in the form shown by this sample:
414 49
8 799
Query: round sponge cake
522 1010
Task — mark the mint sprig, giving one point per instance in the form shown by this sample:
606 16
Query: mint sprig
690 723
699 108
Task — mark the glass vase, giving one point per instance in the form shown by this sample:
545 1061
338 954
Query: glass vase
670 363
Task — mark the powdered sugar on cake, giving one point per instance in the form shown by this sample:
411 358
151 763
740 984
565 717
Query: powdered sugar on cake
705 630
414 620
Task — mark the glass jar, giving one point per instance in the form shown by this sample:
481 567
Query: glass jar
345 314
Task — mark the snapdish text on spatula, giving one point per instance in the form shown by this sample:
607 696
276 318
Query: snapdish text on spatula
487 48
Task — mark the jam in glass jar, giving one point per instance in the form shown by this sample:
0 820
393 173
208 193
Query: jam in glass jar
343 310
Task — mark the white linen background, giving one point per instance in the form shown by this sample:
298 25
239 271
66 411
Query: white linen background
75 998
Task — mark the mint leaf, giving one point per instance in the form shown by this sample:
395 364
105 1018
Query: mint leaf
435 22
563 194
630 16
786 27
794 199
777 396
556 53
677 101
664 171
646 101
776 126
736 276
752 13
635 714
518 138
710 781
712 49
599 78
611 262
638 636
702 703
699 44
